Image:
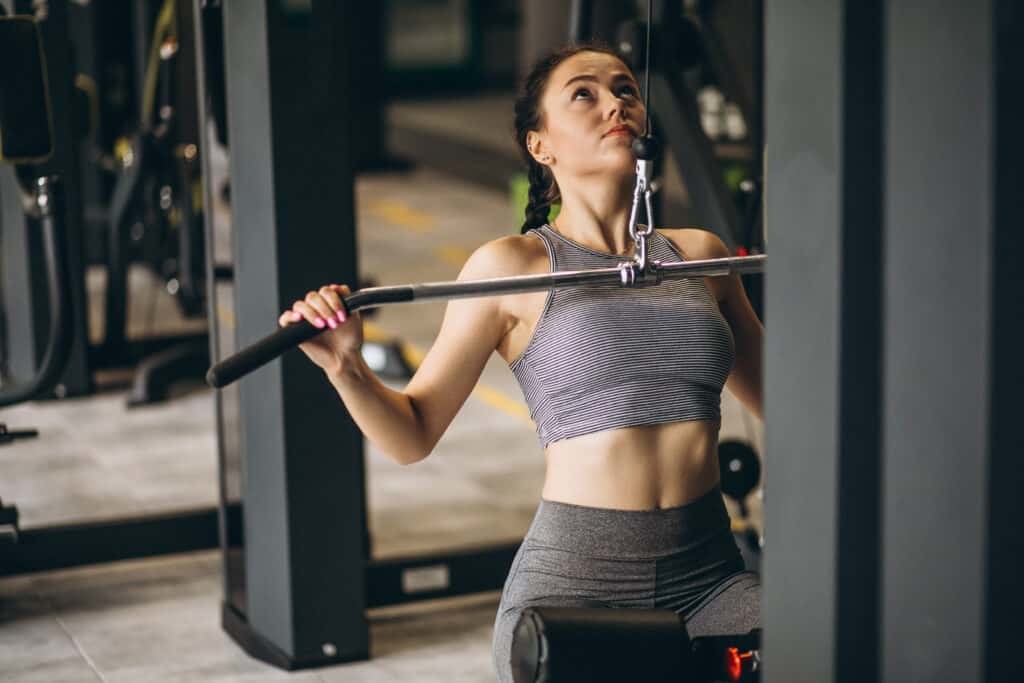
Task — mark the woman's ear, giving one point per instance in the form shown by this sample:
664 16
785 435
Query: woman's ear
538 148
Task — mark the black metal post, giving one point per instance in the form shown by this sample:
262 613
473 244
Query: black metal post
1004 536
287 67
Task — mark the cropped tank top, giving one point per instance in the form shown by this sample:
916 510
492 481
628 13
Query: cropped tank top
605 357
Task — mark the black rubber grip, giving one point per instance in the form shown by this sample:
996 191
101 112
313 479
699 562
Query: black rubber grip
260 353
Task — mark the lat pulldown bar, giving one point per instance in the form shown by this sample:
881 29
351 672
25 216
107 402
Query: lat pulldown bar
625 274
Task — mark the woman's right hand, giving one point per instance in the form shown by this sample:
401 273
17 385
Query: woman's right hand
337 347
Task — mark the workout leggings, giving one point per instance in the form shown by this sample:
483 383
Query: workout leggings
683 558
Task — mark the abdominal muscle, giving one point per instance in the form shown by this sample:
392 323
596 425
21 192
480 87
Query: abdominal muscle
635 468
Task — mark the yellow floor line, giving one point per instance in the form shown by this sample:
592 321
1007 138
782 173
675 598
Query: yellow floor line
401 215
452 255
488 395
506 404
226 316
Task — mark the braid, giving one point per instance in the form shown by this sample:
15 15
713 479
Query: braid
542 191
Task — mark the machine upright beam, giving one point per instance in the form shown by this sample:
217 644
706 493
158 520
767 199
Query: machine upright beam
304 518
1004 603
823 369
953 325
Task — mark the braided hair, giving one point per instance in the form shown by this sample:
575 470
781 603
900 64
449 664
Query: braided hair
543 188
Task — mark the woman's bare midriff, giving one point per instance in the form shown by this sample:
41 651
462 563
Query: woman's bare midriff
636 468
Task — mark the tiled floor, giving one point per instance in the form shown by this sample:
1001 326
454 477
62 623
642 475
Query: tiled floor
159 619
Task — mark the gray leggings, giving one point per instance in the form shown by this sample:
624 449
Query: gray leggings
683 559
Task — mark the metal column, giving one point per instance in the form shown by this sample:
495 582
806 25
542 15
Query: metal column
287 67
953 326
823 376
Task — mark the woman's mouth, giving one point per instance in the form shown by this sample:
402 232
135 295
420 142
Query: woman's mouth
619 130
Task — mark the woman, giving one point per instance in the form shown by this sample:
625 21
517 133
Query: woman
623 385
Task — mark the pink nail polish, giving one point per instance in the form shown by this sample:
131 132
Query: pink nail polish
296 316
332 323
319 322
341 316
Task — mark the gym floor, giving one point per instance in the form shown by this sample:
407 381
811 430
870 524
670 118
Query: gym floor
159 619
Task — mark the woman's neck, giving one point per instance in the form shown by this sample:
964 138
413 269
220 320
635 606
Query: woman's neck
596 215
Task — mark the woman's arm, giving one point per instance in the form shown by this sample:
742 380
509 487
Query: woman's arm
745 379
406 425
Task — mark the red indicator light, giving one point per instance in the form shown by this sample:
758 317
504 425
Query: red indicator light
742 251
733 664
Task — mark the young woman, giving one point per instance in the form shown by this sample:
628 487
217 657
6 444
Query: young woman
624 385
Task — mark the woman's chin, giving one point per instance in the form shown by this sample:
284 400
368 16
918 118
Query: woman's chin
622 165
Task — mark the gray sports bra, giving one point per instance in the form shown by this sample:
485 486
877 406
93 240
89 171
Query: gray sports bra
607 357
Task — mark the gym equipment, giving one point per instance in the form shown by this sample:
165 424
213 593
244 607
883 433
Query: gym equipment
53 114
154 216
599 645
740 473
58 346
60 545
26 131
740 470
26 138
626 275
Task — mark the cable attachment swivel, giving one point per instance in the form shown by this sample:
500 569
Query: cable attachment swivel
641 270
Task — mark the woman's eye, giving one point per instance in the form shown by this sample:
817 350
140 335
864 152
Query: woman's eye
628 90
581 91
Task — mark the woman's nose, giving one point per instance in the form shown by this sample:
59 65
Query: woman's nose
616 108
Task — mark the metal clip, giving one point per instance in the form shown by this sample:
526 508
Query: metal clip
640 232
632 274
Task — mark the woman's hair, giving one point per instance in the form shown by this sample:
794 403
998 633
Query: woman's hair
543 188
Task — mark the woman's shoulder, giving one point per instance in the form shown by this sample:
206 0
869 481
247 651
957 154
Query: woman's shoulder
507 256
696 244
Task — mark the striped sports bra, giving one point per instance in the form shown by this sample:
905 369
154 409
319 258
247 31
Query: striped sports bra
607 357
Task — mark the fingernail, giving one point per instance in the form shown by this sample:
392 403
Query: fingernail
319 322
341 315
332 323
296 316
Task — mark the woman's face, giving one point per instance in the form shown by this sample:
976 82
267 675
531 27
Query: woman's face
591 112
